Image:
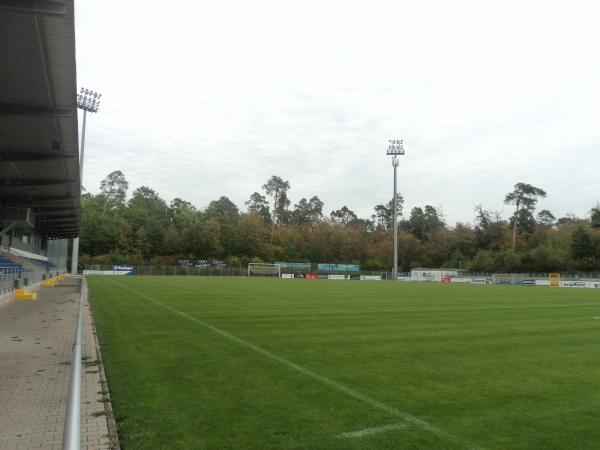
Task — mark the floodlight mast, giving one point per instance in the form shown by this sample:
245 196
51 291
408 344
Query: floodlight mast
395 149
88 101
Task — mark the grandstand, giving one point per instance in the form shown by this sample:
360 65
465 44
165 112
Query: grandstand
39 167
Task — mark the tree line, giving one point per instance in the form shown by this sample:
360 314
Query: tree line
144 228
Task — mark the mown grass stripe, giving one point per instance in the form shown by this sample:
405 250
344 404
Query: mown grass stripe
340 387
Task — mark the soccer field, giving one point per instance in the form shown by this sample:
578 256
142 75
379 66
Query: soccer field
236 363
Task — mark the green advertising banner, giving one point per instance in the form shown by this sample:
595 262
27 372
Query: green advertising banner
339 267
293 265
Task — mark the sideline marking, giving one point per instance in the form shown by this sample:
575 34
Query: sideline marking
367 431
340 387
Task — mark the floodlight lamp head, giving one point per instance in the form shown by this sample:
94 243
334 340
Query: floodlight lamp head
88 100
395 147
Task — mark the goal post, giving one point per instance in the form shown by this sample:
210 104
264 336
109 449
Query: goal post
264 269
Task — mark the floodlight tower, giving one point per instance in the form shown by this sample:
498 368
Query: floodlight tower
395 149
88 101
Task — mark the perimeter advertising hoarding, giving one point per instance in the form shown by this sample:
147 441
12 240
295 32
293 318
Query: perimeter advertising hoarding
294 266
339 267
580 284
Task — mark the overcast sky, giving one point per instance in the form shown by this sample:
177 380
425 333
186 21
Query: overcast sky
210 98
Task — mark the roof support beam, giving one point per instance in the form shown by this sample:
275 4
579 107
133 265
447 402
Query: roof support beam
49 218
40 7
55 222
22 183
25 156
8 109
32 201
51 209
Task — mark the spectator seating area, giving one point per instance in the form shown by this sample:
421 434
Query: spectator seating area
7 263
48 266
26 272
9 272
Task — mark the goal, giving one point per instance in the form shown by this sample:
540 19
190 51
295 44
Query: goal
263 269
507 278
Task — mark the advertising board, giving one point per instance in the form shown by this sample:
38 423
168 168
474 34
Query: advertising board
336 277
294 265
339 267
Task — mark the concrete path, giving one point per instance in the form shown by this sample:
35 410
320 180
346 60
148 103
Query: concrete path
35 354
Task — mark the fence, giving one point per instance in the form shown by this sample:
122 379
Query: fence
232 271
13 277
241 271
8 277
71 431
566 276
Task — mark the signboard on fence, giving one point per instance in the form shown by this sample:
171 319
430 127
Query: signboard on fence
108 272
462 279
580 284
339 267
338 277
370 277
294 266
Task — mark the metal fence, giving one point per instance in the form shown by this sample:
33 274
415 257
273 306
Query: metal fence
12 278
72 429
567 276
241 271
231 271
8 277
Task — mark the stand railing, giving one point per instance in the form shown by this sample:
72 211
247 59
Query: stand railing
71 433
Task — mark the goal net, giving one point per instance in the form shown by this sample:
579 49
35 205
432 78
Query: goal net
507 278
263 269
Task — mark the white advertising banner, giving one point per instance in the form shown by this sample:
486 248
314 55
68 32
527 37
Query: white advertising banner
581 284
107 272
462 279
338 277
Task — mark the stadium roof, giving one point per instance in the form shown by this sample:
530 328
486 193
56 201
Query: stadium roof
39 166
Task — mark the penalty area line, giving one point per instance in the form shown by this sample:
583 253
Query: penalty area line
340 387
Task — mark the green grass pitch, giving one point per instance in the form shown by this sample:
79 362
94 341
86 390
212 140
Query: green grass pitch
236 363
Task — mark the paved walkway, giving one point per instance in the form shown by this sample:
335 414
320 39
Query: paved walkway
35 354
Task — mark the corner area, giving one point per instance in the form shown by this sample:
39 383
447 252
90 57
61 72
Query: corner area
36 338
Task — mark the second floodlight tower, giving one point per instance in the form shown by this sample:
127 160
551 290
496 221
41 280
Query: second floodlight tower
88 101
395 149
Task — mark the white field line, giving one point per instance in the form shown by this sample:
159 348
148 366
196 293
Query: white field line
596 317
340 387
367 431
